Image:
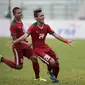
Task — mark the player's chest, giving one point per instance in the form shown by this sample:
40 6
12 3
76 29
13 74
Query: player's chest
20 28
40 33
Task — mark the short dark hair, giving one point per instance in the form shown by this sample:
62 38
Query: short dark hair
14 9
37 11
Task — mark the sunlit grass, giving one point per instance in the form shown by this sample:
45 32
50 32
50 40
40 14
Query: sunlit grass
72 65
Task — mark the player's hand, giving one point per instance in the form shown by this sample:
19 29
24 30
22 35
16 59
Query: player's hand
27 43
13 42
9 43
70 42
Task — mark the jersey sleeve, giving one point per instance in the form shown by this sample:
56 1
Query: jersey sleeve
13 31
29 30
50 31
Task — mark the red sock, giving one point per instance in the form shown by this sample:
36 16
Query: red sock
9 63
36 69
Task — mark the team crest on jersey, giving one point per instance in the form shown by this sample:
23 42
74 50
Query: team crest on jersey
37 32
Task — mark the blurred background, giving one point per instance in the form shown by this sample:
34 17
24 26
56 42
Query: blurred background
53 9
66 17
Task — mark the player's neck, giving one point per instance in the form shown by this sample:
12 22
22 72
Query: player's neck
40 25
18 20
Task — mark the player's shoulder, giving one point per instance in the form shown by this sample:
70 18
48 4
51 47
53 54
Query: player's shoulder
46 24
13 23
34 24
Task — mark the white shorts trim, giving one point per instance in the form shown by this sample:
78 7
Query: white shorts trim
43 60
17 58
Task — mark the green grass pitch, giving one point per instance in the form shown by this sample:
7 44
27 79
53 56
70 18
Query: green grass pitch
72 65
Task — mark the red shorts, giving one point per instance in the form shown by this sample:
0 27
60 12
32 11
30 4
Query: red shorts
19 53
41 55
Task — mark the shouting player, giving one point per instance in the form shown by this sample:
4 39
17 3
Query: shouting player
22 48
38 32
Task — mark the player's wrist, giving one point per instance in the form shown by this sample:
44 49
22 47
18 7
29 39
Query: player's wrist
14 41
66 41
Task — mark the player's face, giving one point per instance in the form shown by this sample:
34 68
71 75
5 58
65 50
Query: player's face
18 14
40 17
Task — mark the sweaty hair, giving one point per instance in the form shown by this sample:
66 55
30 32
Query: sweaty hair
36 12
14 9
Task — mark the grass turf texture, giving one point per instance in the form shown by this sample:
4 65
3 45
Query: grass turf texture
72 65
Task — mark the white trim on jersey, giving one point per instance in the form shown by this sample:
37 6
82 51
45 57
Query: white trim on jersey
43 60
17 58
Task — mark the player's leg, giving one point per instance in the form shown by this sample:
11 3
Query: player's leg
36 67
49 61
7 62
0 58
53 55
29 54
53 72
15 65
18 58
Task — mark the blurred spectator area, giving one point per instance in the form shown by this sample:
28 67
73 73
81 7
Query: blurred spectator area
53 9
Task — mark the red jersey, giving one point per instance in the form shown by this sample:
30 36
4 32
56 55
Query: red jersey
16 29
39 35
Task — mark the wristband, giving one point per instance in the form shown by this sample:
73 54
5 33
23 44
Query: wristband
66 41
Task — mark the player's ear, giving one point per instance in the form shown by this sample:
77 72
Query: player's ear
13 14
35 18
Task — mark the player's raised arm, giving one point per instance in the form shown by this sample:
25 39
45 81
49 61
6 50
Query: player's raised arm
69 42
21 38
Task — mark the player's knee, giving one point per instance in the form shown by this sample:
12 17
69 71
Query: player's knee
34 59
19 67
57 63
52 62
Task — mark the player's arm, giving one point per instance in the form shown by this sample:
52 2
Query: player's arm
69 42
50 31
21 38
13 32
27 43
14 37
